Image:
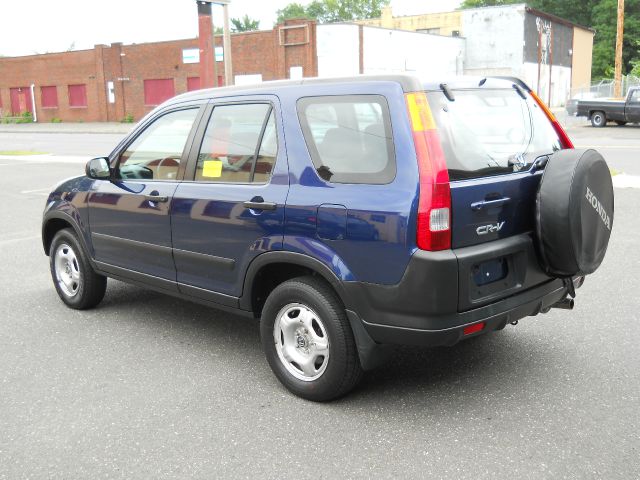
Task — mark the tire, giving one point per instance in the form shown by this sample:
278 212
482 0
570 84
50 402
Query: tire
574 213
598 119
308 341
77 284
620 123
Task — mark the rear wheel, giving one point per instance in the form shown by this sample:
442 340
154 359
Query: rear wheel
621 123
598 119
77 284
308 341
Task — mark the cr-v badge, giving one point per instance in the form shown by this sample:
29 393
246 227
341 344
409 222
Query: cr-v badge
491 228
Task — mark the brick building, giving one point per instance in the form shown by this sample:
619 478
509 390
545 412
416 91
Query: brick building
108 83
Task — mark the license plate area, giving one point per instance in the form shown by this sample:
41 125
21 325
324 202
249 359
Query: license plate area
496 270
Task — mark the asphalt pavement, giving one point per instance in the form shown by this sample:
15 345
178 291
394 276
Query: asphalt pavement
147 386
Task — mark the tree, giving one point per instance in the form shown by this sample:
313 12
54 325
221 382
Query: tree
293 10
244 24
327 11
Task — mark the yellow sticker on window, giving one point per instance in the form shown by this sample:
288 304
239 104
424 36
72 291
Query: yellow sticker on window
212 168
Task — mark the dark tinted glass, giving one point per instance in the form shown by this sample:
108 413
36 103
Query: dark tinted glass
349 138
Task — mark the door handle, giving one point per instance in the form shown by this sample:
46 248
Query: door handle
260 205
489 203
156 197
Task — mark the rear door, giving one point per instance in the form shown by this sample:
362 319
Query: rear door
491 138
230 207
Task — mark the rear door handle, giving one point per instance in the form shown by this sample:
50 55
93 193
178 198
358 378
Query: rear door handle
260 205
489 203
156 197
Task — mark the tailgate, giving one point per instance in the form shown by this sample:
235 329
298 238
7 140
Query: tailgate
493 140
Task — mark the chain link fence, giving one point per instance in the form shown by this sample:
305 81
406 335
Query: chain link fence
604 88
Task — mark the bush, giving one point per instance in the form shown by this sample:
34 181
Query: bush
56 120
127 119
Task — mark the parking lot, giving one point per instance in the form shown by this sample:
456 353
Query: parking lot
147 386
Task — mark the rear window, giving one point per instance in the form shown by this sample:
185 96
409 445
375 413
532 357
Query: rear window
349 138
488 132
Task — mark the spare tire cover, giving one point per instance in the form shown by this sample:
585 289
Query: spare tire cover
574 212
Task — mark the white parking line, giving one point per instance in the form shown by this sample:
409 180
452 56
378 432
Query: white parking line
38 190
626 181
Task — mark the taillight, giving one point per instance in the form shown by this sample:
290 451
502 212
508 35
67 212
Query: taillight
562 135
434 204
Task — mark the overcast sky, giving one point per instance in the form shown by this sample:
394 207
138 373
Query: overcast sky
39 26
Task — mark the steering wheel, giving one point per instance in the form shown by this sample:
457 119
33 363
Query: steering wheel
170 175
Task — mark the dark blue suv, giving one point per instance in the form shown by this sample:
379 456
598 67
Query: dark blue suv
348 215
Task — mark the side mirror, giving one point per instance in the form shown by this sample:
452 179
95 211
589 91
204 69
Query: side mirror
98 169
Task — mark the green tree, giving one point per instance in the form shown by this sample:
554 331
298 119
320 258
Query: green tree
244 24
293 10
327 11
604 17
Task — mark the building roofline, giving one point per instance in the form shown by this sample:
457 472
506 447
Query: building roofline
556 19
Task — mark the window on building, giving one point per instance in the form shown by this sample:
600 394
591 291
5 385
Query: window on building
156 153
157 91
78 95
455 33
49 97
433 31
193 83
349 138
229 151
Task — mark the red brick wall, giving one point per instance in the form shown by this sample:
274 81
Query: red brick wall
269 53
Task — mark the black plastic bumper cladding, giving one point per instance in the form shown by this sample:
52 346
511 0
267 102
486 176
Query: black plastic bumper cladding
437 295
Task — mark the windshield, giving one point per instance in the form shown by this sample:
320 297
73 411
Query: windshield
490 131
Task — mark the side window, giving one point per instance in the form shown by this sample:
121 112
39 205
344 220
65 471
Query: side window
635 96
155 154
349 138
239 145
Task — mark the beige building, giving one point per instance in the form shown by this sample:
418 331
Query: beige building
442 23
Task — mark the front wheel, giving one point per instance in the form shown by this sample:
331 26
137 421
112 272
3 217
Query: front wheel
308 341
598 119
77 284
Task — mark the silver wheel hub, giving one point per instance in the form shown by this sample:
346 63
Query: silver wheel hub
301 342
67 270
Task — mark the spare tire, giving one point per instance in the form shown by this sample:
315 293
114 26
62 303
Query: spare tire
574 212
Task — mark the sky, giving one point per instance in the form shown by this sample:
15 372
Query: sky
40 26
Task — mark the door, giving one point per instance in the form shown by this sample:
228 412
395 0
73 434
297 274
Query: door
20 100
230 207
633 106
129 214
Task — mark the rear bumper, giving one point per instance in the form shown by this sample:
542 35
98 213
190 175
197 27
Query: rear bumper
494 316
436 298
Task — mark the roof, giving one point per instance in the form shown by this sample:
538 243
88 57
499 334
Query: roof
408 82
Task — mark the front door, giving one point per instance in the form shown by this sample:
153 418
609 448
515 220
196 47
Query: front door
633 106
230 208
129 214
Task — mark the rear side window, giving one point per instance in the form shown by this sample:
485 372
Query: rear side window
349 138
488 132
239 146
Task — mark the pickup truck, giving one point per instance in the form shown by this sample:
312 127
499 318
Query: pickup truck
602 111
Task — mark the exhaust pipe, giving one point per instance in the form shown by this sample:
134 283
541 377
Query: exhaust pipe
566 304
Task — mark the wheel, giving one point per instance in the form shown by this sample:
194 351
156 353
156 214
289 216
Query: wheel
77 284
598 119
308 341
621 123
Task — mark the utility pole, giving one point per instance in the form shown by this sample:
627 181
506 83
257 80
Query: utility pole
228 66
617 82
